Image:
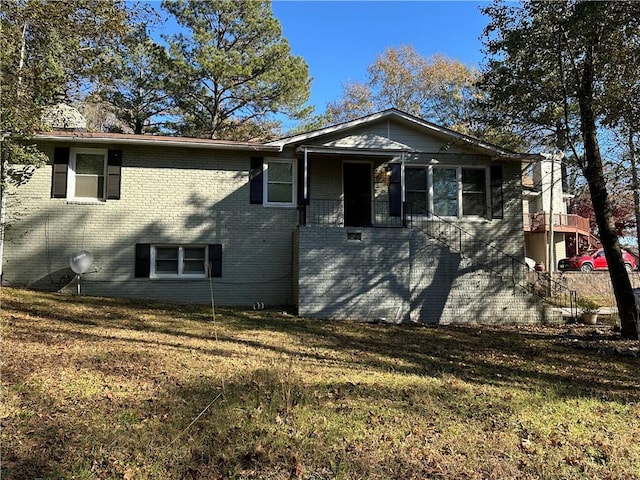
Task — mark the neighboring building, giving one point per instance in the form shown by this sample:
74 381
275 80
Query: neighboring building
387 216
543 196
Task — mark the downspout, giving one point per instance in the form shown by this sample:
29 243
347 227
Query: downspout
3 211
550 244
305 192
403 211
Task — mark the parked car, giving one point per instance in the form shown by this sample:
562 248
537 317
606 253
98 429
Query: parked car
594 260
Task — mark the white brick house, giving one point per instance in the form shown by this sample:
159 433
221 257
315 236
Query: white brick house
359 220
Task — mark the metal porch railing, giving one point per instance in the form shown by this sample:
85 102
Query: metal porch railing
351 213
491 258
449 233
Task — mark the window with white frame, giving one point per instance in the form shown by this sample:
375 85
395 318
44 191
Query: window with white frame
178 261
279 182
446 191
86 174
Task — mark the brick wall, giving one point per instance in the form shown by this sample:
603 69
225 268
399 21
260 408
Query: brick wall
401 275
595 285
346 278
168 195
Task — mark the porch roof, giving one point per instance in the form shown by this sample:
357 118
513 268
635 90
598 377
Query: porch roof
299 141
351 151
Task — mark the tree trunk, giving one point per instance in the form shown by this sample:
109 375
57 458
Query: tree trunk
635 183
593 172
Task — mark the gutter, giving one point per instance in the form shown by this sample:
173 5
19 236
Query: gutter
160 141
349 151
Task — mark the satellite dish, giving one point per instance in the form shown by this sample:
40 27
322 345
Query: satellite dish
81 261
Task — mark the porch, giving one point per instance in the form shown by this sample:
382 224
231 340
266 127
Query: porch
562 222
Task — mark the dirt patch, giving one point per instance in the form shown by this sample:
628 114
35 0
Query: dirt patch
603 339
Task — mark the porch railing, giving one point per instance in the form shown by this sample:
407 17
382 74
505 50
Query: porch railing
352 213
448 233
495 260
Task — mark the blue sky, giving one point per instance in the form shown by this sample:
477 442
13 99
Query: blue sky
340 39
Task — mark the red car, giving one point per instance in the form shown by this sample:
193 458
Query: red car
594 260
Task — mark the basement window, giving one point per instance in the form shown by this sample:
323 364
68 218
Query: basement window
178 261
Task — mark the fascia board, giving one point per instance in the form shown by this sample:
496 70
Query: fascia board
161 142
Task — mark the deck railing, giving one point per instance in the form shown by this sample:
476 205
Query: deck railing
540 221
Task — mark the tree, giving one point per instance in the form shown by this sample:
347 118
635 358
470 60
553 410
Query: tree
46 48
548 61
231 65
134 83
622 208
622 110
357 101
438 88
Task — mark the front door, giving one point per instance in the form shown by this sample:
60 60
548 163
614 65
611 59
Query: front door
357 194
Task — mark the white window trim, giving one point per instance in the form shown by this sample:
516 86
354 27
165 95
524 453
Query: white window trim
71 174
180 274
265 189
459 189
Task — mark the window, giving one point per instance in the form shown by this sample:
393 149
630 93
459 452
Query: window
279 182
178 261
446 191
417 190
86 174
474 192
274 182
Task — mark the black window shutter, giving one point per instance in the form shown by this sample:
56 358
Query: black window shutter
255 180
143 260
59 175
301 183
114 168
497 210
215 259
395 190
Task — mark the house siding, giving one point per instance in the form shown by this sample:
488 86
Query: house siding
398 133
168 196
354 279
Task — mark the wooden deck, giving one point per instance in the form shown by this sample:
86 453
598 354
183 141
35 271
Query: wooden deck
562 222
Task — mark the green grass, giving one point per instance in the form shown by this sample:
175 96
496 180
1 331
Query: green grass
97 388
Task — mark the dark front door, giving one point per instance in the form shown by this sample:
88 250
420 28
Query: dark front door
357 194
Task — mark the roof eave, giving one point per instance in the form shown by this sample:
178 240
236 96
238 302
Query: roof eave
160 141
493 150
379 152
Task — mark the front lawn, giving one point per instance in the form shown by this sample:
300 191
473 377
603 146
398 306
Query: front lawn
98 388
